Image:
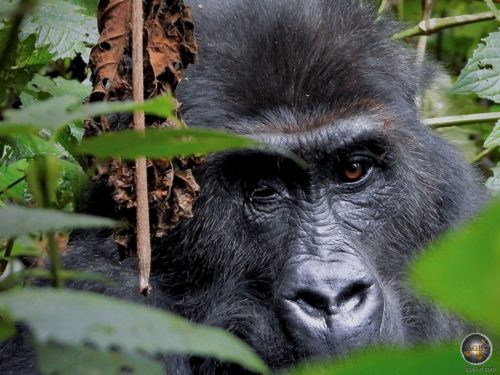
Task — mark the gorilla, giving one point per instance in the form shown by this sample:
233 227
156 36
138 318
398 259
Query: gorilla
299 260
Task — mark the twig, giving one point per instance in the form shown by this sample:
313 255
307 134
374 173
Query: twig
8 251
434 25
443 122
24 7
427 6
483 154
141 183
385 5
12 184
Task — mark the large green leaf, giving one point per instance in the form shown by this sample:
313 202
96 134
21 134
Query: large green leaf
81 360
56 112
442 360
18 220
158 143
461 271
73 318
61 26
481 75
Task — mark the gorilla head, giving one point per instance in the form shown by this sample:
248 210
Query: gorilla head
301 259
310 260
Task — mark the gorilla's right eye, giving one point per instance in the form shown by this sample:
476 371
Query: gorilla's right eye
263 194
354 170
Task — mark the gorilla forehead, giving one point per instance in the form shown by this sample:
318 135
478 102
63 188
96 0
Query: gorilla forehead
341 63
326 139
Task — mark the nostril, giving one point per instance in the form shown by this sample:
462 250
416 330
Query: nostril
354 294
312 302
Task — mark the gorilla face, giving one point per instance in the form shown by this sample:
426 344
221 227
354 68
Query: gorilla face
306 258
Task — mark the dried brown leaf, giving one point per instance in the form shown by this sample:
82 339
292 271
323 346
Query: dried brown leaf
169 48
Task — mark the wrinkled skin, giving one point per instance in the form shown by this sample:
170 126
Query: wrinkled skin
298 259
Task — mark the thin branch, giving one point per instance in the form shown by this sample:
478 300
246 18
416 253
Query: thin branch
427 6
141 183
8 251
443 122
24 7
435 25
483 154
12 184
385 5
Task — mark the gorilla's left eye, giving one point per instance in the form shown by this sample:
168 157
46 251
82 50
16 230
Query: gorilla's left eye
263 194
354 170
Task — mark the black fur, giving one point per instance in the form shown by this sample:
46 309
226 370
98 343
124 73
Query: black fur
320 78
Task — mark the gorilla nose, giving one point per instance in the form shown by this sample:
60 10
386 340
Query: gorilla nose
331 307
317 302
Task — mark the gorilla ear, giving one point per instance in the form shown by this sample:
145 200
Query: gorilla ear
430 74
432 83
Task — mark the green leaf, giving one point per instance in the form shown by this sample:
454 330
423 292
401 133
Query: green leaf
461 271
90 6
162 143
26 146
442 360
493 139
58 87
166 143
20 66
42 178
80 360
49 114
72 318
21 220
481 75
26 246
7 327
12 174
56 112
60 25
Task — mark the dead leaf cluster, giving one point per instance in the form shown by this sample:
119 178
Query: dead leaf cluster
169 47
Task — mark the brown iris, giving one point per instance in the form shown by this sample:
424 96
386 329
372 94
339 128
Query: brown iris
353 171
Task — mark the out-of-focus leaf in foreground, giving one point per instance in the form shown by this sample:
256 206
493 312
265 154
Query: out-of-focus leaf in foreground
442 360
462 270
162 143
16 220
76 318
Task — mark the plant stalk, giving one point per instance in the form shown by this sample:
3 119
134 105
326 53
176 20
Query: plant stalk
434 25
141 183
